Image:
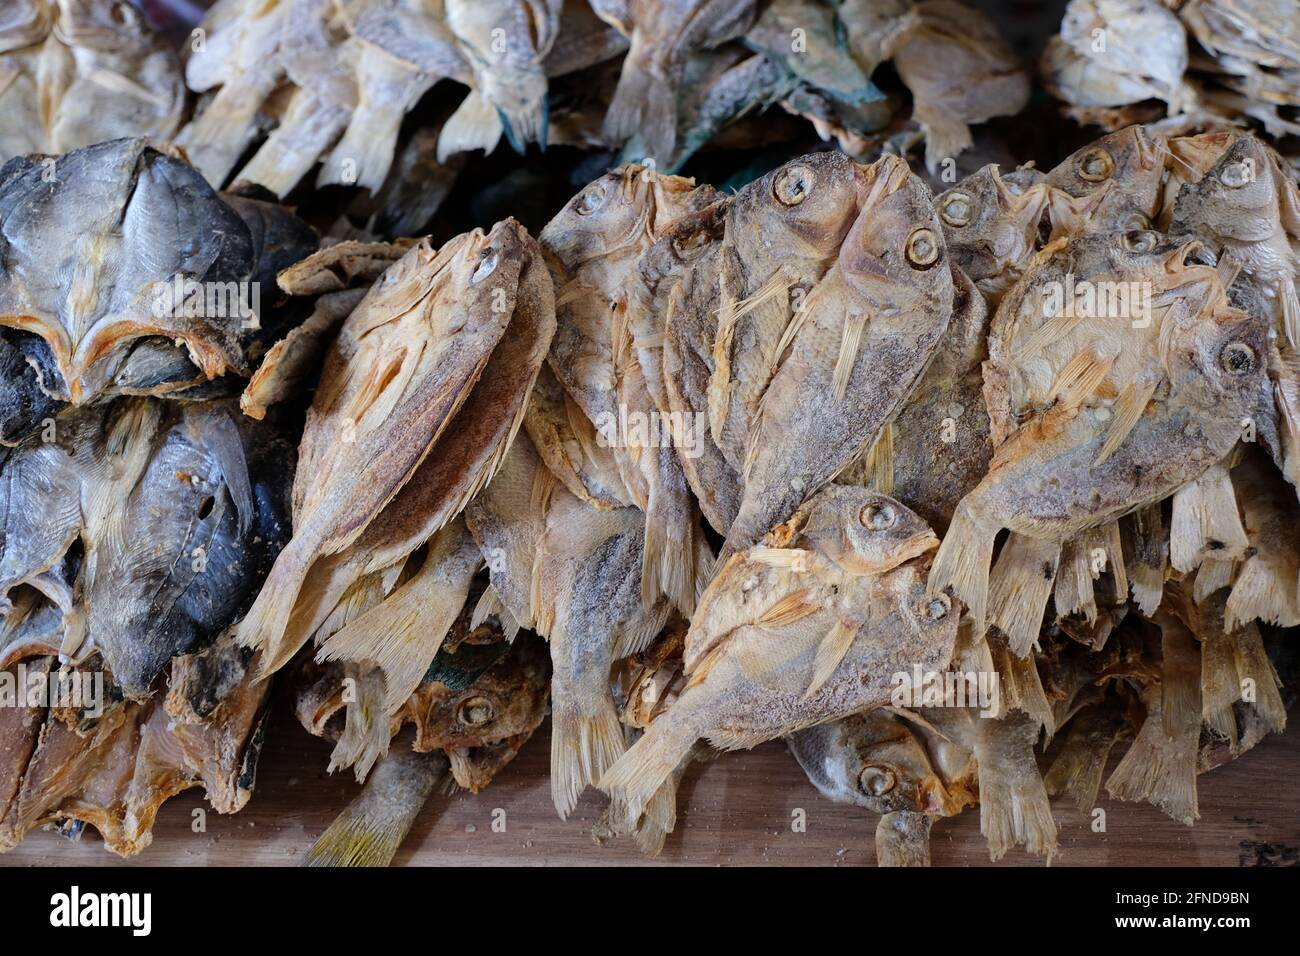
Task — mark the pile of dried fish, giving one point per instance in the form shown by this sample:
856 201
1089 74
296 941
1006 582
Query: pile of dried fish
141 510
938 487
302 82
756 414
1117 62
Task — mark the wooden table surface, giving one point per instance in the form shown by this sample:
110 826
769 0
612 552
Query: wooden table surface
735 810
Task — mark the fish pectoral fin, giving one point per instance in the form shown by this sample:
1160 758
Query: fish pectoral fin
831 651
786 611
850 342
1130 405
1080 378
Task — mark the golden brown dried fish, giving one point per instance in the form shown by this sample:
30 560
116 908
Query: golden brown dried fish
78 72
1138 402
990 225
587 602
405 362
938 448
597 239
783 232
856 349
1111 185
803 629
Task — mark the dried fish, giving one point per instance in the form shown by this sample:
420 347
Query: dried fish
78 72
864 336
842 583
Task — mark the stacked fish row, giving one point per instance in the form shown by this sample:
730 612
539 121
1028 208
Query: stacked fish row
331 81
1117 62
140 510
821 374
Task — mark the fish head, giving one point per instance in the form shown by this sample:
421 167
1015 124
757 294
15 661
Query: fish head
100 24
874 760
614 213
803 208
504 701
894 256
863 531
1236 200
1222 348
990 221
1120 174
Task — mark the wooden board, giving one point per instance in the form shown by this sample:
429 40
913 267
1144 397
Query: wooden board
736 810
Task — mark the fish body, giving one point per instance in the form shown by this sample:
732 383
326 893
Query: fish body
79 72
1173 397
90 283
807 628
864 336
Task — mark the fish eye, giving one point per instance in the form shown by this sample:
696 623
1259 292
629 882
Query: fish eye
793 185
1141 240
922 248
956 209
880 517
876 781
690 246
936 607
1236 175
1096 165
1237 358
475 711
486 266
589 200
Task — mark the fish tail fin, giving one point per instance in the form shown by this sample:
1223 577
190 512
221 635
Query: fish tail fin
1159 769
263 627
1014 809
215 139
669 563
583 747
1147 557
644 106
637 775
295 145
364 155
945 137
903 839
371 828
658 819
366 727
1020 586
474 125
830 652
962 561
402 634
1206 521
1076 771
1265 590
